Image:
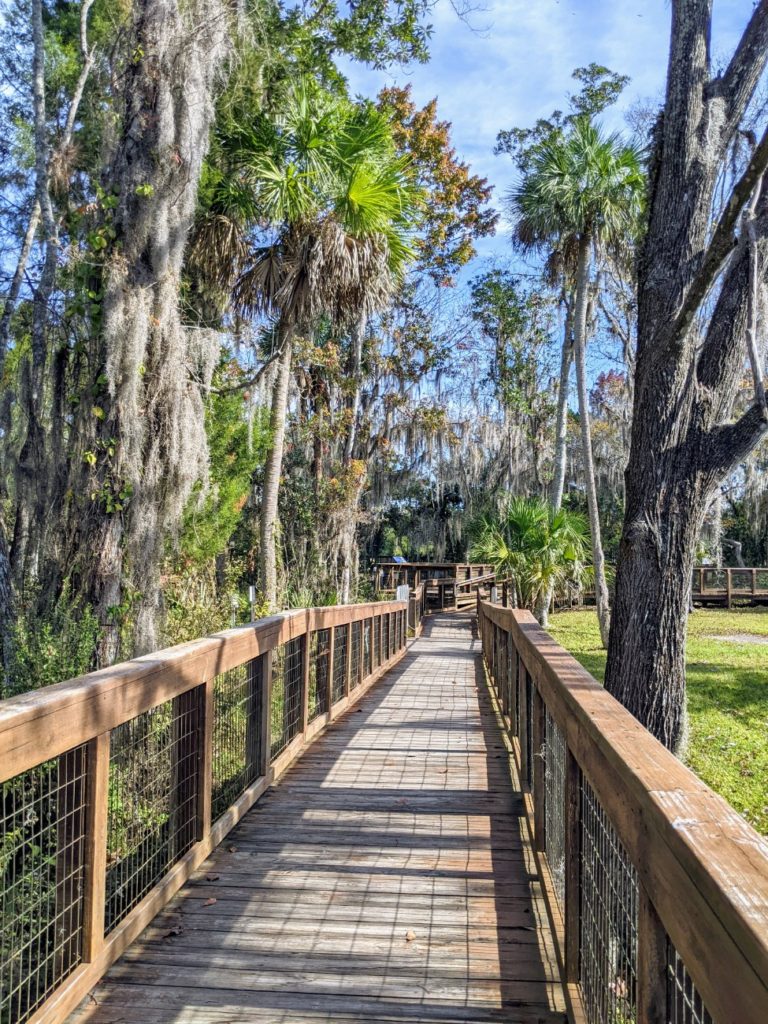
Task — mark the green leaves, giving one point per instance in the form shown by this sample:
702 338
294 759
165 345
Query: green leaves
582 183
535 545
317 214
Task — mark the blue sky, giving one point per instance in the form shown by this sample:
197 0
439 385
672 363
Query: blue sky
514 65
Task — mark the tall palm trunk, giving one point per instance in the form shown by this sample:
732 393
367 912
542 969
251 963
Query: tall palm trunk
580 345
561 444
272 472
348 529
561 428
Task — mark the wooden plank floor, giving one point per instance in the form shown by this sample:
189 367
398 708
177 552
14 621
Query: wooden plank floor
387 878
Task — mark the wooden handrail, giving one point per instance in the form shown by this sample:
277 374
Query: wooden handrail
70 726
702 869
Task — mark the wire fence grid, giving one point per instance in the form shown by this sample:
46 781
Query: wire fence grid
236 756
319 667
340 663
287 693
684 1003
153 790
608 916
554 804
42 863
356 662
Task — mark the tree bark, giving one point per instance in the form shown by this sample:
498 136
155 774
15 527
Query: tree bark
683 445
272 473
580 344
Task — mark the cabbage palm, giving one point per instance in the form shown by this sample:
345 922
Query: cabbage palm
540 548
583 192
314 221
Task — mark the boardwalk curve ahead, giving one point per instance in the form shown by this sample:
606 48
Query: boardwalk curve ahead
387 878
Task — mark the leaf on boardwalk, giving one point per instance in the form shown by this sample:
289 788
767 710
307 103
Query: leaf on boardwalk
410 936
209 902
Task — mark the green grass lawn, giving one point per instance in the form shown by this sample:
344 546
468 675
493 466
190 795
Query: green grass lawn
727 699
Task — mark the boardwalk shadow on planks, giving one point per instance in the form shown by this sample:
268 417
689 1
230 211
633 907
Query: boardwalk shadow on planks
385 879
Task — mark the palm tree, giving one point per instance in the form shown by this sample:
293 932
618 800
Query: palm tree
583 192
314 221
540 548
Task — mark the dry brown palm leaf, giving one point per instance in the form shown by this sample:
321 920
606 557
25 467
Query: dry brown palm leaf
258 288
219 249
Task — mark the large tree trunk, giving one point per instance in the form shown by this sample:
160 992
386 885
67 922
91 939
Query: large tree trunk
683 444
272 473
145 362
32 477
580 345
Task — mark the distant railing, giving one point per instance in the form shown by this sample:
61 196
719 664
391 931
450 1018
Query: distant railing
119 784
390 575
723 586
657 888
417 609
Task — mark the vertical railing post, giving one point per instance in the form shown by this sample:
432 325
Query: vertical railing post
538 733
522 720
254 712
97 820
331 663
205 758
728 589
754 582
651 963
348 668
266 712
572 866
305 671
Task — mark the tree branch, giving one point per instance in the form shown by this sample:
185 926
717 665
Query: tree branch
729 445
722 241
737 84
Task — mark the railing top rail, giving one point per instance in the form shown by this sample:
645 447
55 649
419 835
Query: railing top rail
42 724
704 867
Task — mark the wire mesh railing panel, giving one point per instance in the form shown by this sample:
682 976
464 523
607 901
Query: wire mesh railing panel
529 727
684 1003
236 754
367 648
354 675
511 673
385 638
518 694
376 643
340 663
319 667
153 792
608 916
713 579
741 580
287 686
42 860
554 804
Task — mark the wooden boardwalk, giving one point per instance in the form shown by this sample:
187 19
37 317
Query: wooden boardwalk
386 878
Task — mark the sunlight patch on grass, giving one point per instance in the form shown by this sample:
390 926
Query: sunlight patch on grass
727 699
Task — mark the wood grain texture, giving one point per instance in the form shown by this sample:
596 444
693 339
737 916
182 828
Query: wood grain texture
385 879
